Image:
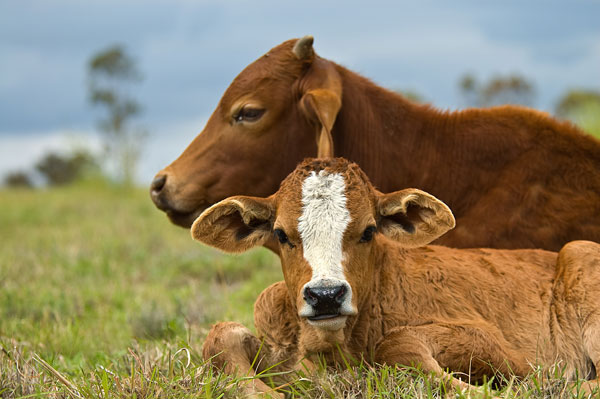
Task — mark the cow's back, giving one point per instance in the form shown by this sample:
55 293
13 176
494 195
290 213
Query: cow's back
520 179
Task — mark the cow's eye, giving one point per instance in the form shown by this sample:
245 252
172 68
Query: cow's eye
282 237
248 114
368 234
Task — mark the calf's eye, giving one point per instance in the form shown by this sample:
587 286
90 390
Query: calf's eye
282 237
368 234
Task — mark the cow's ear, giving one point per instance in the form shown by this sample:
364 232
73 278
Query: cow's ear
321 101
235 224
413 217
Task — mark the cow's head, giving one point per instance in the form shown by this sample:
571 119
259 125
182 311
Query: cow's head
331 226
276 112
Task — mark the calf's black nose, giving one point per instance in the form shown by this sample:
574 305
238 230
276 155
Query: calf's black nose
325 300
158 183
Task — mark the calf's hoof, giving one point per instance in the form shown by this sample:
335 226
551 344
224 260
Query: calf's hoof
256 389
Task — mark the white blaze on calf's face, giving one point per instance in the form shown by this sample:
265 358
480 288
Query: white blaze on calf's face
322 224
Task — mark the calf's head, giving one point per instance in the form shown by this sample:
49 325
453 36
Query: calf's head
331 226
278 110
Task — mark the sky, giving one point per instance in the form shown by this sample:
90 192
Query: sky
189 51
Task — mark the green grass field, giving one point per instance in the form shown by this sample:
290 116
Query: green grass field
87 272
100 296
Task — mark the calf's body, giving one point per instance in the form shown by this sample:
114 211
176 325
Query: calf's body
473 311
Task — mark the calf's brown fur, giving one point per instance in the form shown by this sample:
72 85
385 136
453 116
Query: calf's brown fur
473 311
514 177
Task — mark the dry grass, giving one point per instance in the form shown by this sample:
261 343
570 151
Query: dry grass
101 297
169 372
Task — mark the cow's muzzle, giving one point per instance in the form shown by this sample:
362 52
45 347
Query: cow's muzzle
159 193
156 192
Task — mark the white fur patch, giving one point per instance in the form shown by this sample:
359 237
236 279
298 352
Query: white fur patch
322 224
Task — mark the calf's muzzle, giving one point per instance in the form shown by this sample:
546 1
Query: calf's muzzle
325 301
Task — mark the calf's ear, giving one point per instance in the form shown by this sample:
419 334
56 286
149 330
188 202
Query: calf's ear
321 101
413 217
235 224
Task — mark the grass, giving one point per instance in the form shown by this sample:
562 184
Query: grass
88 271
100 296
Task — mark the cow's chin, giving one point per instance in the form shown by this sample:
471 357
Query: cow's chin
184 219
329 324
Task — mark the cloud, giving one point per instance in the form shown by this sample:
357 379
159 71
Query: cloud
190 51
22 151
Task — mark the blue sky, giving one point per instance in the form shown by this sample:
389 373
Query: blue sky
189 51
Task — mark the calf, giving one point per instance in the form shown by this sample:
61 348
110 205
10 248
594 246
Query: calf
360 282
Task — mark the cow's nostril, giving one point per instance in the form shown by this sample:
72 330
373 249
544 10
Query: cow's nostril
158 183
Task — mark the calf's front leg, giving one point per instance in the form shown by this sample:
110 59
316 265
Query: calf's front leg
234 349
469 350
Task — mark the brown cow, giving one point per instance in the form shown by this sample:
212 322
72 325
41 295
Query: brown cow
514 177
358 280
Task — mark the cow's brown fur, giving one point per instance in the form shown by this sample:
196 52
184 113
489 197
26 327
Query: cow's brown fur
514 177
473 311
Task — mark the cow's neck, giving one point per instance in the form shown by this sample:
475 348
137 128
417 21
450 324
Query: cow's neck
391 138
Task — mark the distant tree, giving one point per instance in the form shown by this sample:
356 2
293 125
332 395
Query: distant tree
510 89
583 108
60 169
111 73
469 89
411 95
17 179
